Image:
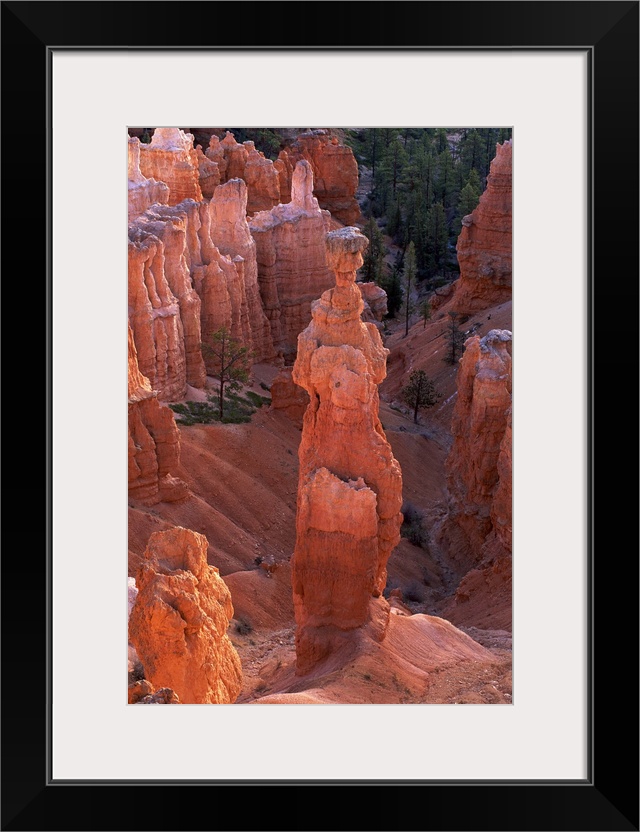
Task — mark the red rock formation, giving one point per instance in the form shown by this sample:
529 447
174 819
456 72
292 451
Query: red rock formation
335 173
484 244
154 442
154 316
208 174
292 261
350 485
375 300
263 184
170 227
479 463
143 192
178 624
230 233
243 161
288 397
215 153
171 158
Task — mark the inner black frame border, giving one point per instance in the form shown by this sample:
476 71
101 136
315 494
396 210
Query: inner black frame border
608 798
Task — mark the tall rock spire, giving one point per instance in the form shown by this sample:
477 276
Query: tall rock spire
350 485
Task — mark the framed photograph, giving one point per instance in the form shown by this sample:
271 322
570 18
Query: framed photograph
563 77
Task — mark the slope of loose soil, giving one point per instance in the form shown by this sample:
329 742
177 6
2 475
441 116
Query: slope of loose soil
425 348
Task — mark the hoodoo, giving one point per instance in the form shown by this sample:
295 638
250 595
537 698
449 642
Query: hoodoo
292 260
350 485
479 428
179 621
335 173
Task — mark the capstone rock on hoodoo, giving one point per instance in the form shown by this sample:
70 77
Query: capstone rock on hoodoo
335 173
178 624
154 442
292 260
171 158
484 244
350 485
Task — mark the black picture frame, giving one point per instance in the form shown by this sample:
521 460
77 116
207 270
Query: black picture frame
608 798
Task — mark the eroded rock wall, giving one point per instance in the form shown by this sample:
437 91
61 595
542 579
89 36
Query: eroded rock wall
143 192
243 161
292 261
154 441
485 242
230 233
171 158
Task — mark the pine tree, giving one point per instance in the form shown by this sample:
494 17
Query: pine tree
409 275
437 239
455 339
425 312
393 287
420 392
372 268
469 198
229 362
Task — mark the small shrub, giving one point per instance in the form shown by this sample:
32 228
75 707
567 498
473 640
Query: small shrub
412 528
256 399
414 592
243 627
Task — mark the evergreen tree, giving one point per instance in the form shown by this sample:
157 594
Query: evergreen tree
409 276
394 221
425 312
455 339
472 152
393 287
420 392
468 200
229 362
437 239
446 177
372 268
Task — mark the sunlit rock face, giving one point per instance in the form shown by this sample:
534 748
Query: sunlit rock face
350 485
171 158
335 173
242 161
178 624
142 192
231 235
292 260
154 441
485 242
154 316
